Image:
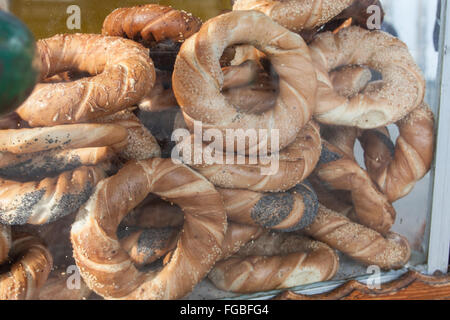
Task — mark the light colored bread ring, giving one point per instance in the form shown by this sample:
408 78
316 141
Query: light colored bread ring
296 15
45 201
72 136
107 268
358 242
29 273
275 261
403 87
286 212
5 242
397 169
122 74
198 78
296 163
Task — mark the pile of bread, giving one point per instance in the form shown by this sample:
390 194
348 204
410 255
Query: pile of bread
87 176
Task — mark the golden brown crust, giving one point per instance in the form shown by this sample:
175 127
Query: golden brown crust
397 169
151 23
296 15
403 86
118 81
198 78
31 266
296 163
275 261
358 242
107 268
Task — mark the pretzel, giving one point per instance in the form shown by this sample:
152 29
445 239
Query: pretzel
296 163
403 84
296 15
38 165
358 242
275 261
107 268
397 169
198 79
5 242
237 236
287 212
31 265
73 136
122 73
372 207
160 28
45 201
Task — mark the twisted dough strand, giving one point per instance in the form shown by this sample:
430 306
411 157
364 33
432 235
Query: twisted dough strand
40 202
397 169
29 273
275 261
358 242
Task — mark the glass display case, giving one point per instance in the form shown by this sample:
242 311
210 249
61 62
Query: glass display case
421 217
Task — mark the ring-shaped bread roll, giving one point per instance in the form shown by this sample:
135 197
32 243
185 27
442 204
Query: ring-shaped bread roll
105 266
31 266
198 79
296 15
403 86
122 73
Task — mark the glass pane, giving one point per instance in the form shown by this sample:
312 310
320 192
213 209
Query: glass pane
413 21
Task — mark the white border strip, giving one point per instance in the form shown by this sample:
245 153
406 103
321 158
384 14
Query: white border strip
439 245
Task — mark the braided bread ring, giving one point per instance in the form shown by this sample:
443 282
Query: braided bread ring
372 207
296 163
122 74
403 84
45 201
287 212
296 15
151 23
38 165
29 273
411 158
198 78
5 242
358 242
275 261
107 268
71 136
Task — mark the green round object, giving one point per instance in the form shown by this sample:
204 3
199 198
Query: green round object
18 72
